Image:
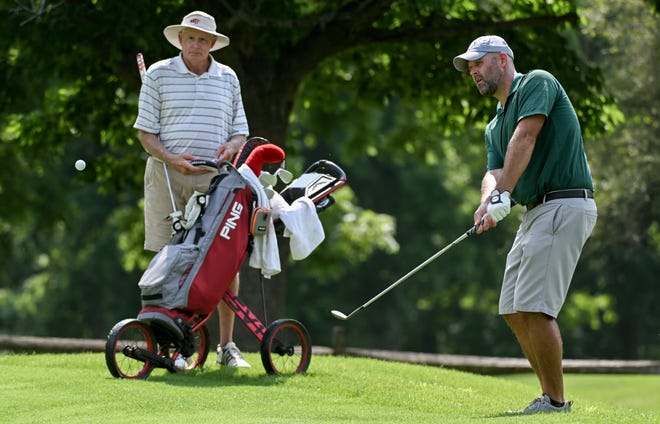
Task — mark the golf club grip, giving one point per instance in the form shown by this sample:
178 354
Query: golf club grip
205 163
142 68
474 229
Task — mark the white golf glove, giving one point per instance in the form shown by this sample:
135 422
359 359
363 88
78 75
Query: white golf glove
499 206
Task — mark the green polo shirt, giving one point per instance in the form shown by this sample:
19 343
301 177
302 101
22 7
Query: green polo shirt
558 161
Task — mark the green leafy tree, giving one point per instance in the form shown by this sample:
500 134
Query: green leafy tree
451 307
367 83
617 286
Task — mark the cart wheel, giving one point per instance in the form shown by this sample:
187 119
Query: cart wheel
201 342
286 348
125 335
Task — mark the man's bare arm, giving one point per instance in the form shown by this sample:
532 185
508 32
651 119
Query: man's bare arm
152 144
518 155
519 152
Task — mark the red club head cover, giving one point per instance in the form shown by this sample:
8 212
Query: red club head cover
266 153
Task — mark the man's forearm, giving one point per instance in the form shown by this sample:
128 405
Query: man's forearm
519 152
152 144
488 184
236 142
515 163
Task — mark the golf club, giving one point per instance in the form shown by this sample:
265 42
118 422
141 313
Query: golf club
141 65
342 316
284 175
268 179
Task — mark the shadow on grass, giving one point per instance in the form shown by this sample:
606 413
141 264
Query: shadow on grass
505 414
209 377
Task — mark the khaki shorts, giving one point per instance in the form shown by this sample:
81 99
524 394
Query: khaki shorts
158 204
545 252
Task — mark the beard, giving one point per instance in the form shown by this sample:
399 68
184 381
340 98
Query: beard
487 88
490 81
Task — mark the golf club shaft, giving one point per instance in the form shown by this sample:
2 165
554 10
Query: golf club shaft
142 68
420 266
169 188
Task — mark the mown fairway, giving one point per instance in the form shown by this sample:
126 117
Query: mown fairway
78 388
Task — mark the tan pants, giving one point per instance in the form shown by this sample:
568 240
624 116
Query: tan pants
545 252
158 203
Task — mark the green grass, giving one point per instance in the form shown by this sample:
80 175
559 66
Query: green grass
77 388
640 392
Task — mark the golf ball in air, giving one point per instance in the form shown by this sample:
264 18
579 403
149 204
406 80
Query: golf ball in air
80 164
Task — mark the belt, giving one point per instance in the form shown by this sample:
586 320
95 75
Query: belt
583 193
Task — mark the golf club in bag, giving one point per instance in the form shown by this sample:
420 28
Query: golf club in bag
340 315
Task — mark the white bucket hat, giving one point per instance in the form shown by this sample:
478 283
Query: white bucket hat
200 21
478 49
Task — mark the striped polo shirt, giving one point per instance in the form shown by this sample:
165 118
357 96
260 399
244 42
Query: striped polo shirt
191 113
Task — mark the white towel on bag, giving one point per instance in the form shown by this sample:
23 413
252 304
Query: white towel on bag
265 254
302 224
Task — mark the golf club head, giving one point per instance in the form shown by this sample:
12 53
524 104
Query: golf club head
284 175
267 179
339 315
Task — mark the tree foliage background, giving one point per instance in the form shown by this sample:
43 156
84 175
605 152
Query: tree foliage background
370 85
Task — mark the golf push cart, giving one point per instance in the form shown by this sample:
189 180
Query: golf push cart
187 278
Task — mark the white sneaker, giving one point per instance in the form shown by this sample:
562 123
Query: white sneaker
181 363
543 404
230 356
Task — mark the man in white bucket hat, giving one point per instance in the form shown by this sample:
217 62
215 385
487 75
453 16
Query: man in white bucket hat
190 107
198 21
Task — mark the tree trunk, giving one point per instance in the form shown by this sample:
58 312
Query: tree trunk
268 93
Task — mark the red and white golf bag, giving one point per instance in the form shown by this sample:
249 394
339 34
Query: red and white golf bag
194 273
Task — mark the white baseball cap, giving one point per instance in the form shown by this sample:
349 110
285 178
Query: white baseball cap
200 21
478 49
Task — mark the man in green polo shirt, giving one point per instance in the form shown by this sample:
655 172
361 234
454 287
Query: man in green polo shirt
535 157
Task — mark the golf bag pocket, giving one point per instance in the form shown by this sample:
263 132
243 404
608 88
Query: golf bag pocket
259 222
162 282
